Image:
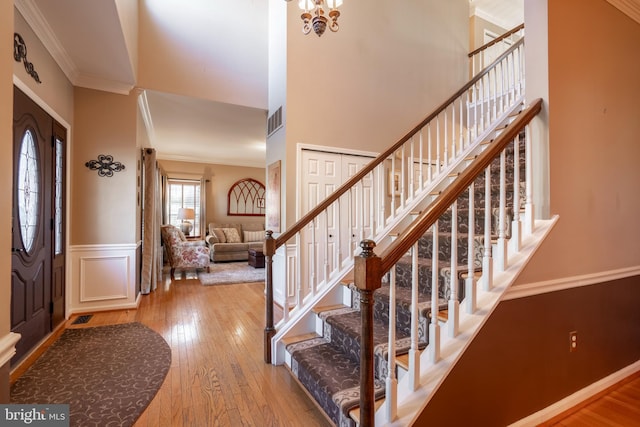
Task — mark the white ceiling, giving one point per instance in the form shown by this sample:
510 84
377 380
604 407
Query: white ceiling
505 13
87 38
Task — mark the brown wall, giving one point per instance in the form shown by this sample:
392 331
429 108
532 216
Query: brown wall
221 178
520 361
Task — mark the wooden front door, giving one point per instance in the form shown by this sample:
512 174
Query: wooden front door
37 217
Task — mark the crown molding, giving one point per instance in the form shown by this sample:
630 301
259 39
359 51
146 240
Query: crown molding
631 8
31 13
480 13
36 20
143 105
98 83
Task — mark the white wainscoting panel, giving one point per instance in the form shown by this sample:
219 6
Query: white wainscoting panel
103 277
285 275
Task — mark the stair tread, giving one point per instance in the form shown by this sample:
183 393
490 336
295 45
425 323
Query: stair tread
298 338
322 308
403 296
331 373
350 324
355 412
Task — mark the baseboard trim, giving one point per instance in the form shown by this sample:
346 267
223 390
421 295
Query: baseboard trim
8 347
107 307
531 289
578 397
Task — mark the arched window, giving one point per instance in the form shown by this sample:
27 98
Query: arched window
246 198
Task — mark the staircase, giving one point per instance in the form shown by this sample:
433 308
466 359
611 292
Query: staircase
327 365
439 254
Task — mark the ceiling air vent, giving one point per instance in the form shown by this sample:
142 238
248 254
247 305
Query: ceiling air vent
274 122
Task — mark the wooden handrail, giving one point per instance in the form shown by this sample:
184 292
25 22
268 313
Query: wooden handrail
428 217
497 40
313 213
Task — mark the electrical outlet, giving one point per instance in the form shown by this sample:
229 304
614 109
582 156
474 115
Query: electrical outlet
573 341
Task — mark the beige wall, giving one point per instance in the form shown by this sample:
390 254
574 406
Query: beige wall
476 33
221 178
365 86
593 141
104 208
6 177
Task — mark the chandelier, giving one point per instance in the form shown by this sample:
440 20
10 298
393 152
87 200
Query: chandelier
313 15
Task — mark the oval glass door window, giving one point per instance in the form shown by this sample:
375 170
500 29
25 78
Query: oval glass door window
28 190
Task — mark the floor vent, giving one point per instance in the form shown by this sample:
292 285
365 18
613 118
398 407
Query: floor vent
82 319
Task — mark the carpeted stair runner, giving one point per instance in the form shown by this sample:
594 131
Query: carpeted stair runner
329 366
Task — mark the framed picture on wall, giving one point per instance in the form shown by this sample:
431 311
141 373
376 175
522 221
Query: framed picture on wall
273 196
393 183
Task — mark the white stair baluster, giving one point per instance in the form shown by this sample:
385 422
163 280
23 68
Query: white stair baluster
470 283
529 207
414 352
487 260
434 326
391 383
501 244
515 242
453 322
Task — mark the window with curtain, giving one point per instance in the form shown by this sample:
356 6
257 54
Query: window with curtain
184 194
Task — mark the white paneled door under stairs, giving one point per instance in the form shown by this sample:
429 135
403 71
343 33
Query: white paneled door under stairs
321 243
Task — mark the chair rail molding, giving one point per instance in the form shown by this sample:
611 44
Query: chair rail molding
531 289
8 347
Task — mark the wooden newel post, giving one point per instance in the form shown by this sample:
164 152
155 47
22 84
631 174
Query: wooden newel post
367 279
269 330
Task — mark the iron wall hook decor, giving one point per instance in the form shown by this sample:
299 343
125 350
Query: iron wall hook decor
20 54
105 165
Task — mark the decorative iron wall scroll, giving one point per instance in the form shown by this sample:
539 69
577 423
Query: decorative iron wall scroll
105 165
20 54
246 198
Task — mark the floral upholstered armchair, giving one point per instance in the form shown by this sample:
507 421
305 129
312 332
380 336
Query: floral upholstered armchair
183 253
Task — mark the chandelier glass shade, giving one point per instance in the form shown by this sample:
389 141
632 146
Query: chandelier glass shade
313 15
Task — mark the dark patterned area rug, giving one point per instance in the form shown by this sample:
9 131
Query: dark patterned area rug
107 374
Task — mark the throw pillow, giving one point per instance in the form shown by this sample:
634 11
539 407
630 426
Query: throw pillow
231 234
253 236
220 235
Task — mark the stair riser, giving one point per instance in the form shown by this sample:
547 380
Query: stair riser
444 222
403 317
425 247
345 338
479 198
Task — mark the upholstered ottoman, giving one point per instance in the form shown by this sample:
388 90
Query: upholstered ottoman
256 258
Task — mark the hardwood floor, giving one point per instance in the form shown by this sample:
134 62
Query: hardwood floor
217 375
618 406
218 378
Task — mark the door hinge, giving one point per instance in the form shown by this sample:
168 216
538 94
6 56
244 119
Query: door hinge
52 223
51 307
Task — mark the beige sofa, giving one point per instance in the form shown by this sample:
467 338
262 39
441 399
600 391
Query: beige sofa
231 242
